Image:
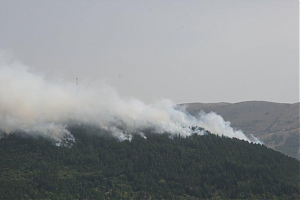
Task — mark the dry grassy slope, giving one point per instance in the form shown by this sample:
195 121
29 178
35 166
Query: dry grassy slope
276 124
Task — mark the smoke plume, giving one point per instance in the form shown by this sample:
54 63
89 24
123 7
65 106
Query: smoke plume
30 103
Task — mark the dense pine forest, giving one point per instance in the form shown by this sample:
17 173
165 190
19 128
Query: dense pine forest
97 166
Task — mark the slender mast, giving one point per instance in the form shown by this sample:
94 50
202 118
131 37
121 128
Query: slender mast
77 86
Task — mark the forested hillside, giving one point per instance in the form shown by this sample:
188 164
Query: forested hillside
162 166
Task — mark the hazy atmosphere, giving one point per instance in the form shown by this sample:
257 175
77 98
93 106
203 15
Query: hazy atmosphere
187 51
132 99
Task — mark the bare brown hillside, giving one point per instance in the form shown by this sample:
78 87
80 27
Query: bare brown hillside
276 124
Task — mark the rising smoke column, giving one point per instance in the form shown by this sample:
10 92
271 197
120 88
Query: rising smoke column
30 103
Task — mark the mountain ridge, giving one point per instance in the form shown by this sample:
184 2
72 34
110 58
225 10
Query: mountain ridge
273 123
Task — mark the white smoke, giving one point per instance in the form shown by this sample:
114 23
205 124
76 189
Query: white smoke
30 103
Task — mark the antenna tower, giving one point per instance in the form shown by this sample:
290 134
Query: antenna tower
77 86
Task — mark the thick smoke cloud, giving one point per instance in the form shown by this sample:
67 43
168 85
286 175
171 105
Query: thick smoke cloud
30 103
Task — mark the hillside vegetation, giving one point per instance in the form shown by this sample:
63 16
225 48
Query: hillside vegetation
276 124
162 166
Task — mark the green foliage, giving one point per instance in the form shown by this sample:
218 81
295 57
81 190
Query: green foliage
160 167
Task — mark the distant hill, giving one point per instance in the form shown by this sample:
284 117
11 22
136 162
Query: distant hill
162 166
276 124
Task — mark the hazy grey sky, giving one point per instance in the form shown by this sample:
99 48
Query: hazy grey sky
188 51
